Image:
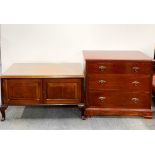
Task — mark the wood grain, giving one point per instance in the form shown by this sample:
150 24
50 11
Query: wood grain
118 83
62 91
22 91
119 67
115 55
44 70
42 84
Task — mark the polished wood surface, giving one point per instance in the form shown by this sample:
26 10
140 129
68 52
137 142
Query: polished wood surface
153 80
22 91
146 113
153 84
38 91
62 91
118 83
44 70
113 99
115 55
121 82
119 67
42 84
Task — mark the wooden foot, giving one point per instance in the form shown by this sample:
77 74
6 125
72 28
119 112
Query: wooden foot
82 109
83 118
148 117
2 109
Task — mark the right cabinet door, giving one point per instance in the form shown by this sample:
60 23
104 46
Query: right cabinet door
62 91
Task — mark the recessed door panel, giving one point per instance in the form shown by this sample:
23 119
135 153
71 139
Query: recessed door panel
59 91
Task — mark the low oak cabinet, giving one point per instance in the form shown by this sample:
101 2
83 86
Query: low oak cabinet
118 83
41 91
55 87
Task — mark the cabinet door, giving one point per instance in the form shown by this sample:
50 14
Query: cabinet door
22 91
62 91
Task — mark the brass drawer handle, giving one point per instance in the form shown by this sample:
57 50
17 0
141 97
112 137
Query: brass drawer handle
102 68
135 100
102 98
136 83
136 69
102 81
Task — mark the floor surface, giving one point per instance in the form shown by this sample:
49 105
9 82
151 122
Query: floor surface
68 118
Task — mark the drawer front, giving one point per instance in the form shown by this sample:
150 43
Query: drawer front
118 67
22 91
62 91
111 99
119 82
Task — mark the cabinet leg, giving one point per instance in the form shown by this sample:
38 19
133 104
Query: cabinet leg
83 117
82 109
3 108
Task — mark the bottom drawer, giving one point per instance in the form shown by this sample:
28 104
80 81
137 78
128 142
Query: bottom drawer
113 99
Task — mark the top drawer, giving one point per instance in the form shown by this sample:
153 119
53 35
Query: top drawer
119 67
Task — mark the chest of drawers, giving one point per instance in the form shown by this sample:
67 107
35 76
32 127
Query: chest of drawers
118 83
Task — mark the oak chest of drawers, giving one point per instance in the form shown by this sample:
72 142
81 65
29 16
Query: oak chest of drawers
118 83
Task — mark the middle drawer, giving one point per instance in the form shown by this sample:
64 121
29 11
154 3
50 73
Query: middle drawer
119 82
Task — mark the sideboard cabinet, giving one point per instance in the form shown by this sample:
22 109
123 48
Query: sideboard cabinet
42 84
118 83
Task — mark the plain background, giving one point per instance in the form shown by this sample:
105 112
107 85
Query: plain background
77 12
64 43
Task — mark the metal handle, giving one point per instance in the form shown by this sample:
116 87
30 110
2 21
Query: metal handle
102 98
102 68
136 69
136 83
102 81
135 100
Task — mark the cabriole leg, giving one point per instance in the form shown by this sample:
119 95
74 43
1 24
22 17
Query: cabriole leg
2 109
82 109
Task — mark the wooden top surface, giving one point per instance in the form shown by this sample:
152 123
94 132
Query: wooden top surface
115 55
44 70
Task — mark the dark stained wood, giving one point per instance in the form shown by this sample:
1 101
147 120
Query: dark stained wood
24 92
42 91
153 79
146 113
18 91
62 91
2 109
113 99
153 84
42 84
119 67
118 83
114 82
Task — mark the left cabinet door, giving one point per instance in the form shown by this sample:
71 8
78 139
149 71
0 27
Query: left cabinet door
22 91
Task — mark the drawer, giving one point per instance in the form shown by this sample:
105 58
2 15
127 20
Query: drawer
118 67
22 91
119 82
62 91
114 99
